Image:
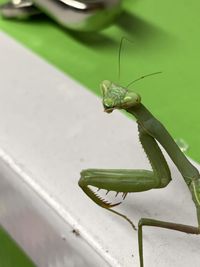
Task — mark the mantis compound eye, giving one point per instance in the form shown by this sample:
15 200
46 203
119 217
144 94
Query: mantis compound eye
105 86
130 100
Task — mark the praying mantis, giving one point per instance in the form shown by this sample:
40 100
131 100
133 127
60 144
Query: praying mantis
151 132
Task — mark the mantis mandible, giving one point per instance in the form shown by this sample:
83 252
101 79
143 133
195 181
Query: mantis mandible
150 131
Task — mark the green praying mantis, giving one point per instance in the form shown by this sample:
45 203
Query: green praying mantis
150 131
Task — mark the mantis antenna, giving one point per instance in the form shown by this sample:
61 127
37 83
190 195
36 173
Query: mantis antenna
119 64
142 77
119 55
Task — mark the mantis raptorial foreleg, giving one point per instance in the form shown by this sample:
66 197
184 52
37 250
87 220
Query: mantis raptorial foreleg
151 131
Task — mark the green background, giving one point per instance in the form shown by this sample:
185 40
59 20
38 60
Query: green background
8 248
165 37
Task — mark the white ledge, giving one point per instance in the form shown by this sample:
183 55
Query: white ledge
51 128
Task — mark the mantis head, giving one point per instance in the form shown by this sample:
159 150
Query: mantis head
117 97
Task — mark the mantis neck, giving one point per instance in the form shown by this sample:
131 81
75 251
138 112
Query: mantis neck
141 113
154 128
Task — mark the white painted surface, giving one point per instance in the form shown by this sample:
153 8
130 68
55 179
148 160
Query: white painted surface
43 235
53 128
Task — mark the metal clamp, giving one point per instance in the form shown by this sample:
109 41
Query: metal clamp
80 15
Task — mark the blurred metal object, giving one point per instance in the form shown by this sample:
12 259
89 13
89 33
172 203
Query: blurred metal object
19 9
80 15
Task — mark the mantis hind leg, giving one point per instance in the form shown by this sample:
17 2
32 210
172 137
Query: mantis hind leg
148 143
162 224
